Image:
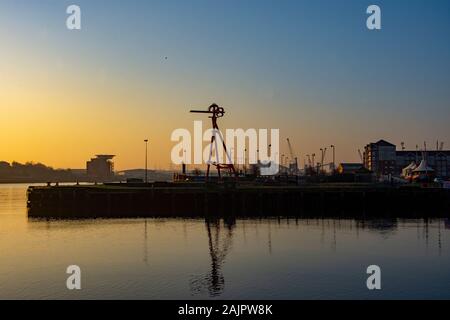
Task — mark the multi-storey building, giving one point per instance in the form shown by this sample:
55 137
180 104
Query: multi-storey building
380 157
101 167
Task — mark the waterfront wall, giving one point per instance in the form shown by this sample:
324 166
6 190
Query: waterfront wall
222 201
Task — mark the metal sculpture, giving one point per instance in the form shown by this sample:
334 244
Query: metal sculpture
217 112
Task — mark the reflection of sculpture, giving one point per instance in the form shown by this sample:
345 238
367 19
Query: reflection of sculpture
214 282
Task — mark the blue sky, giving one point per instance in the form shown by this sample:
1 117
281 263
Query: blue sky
309 67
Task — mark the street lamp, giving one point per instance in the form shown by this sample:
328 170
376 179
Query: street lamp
334 159
287 165
245 161
146 148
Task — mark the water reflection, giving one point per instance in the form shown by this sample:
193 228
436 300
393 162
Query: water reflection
249 258
145 259
284 245
220 240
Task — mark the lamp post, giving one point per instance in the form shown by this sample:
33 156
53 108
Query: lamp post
334 159
245 161
146 144
321 159
287 165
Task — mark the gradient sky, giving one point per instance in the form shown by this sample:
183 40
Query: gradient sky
310 68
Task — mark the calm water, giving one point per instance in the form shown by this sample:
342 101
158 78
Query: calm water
243 259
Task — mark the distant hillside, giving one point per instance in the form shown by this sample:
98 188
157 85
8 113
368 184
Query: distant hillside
33 172
30 172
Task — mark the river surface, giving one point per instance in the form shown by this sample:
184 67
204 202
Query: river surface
242 259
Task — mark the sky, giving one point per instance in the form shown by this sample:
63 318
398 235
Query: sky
309 68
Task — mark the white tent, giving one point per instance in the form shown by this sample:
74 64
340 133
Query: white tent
423 167
409 169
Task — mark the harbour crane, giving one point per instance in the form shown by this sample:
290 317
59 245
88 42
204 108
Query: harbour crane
309 160
310 170
314 165
293 166
360 156
322 159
